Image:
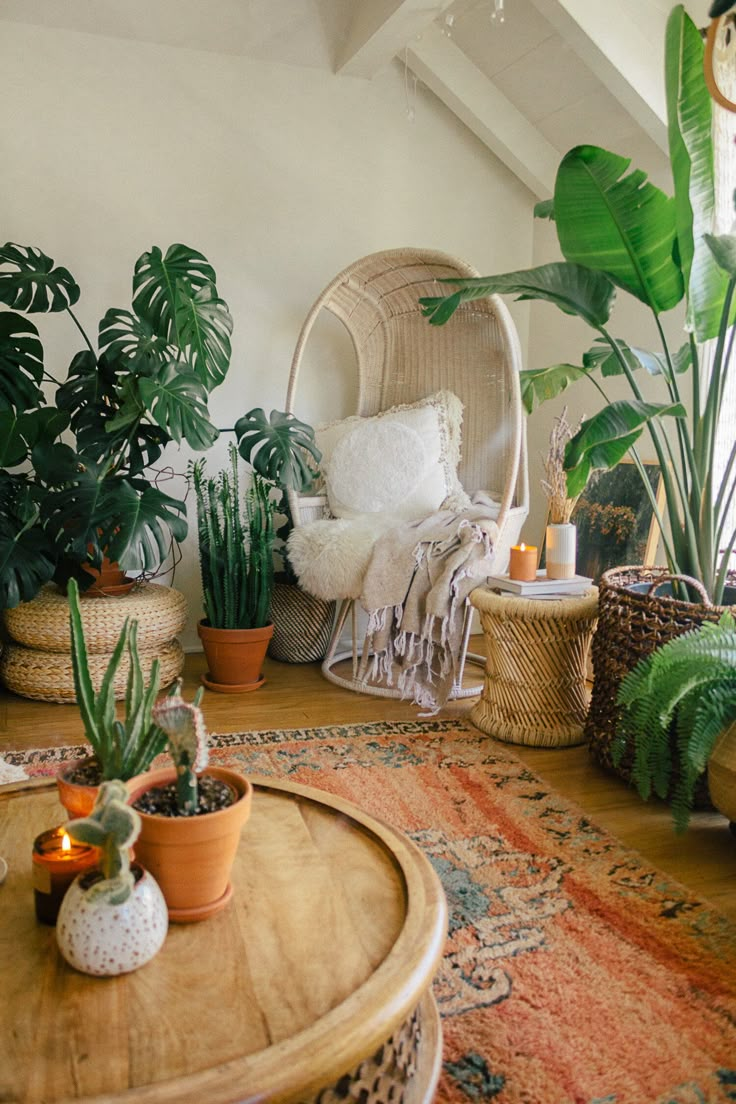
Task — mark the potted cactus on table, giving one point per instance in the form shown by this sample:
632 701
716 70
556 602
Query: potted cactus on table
113 918
236 560
191 815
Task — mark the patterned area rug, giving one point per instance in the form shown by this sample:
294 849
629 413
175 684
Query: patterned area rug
573 971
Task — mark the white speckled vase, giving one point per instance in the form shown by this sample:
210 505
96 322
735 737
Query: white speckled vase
103 939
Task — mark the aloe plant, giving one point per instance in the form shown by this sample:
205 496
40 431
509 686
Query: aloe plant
235 547
145 383
126 748
113 827
691 682
616 230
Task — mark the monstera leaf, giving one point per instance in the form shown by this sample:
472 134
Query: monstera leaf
278 448
26 555
20 433
204 326
21 363
125 336
147 520
29 281
159 280
177 402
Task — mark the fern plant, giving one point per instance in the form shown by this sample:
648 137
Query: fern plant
235 547
691 682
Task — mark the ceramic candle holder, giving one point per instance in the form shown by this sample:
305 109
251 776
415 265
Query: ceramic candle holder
523 563
55 868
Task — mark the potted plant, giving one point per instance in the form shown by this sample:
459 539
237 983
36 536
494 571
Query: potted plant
236 560
191 816
689 682
282 450
66 506
119 748
113 918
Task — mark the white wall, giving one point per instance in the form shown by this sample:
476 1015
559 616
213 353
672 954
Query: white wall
281 176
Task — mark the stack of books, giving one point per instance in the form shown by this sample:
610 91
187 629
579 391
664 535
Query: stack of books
541 587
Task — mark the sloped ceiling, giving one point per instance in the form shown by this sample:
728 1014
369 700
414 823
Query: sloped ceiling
552 74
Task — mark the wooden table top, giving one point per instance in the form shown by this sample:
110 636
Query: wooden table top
334 933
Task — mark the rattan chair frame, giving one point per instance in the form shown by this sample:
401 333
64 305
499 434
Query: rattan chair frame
401 358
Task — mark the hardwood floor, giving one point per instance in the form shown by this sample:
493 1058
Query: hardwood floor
297 696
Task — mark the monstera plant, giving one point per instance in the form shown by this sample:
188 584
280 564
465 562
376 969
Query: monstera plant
616 230
73 482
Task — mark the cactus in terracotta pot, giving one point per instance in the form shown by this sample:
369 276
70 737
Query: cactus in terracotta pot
182 722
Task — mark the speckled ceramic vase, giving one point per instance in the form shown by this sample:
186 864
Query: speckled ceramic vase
98 938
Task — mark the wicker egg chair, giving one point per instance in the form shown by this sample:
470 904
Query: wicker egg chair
401 358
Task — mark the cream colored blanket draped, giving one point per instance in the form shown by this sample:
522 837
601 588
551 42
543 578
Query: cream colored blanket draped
414 591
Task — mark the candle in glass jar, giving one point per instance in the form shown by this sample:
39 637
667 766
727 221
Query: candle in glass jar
523 563
56 862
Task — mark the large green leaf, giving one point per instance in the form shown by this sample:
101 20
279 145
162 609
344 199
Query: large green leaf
176 400
29 281
26 562
723 250
204 325
158 281
147 520
19 433
603 440
540 384
618 224
689 117
126 337
601 356
278 448
21 363
573 288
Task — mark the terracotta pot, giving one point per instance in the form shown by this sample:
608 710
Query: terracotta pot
191 857
722 775
234 657
77 799
110 580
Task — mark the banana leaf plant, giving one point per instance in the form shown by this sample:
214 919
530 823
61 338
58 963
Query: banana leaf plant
73 483
616 230
282 451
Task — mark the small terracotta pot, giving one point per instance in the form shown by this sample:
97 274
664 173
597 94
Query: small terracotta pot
77 799
109 581
234 657
191 857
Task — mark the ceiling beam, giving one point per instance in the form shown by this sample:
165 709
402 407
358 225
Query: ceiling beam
381 29
462 87
622 52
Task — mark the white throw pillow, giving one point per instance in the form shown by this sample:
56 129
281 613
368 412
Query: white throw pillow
402 462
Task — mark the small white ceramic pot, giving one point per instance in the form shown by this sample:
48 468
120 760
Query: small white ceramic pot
103 939
561 550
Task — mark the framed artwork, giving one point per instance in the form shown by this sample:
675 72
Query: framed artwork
615 520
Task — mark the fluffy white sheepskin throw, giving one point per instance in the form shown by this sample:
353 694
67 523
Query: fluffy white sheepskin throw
330 556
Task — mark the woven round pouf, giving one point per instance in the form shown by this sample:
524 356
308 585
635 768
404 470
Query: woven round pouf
47 676
534 688
43 623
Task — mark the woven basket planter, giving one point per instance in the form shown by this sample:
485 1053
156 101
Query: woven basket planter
631 625
302 625
534 688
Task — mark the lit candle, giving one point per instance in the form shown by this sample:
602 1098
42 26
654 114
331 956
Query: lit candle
523 563
56 863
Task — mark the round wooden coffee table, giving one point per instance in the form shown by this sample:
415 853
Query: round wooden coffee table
314 984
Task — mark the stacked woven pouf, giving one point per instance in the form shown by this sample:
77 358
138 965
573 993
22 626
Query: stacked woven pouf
36 660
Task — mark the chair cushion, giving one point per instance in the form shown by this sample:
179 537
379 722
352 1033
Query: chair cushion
401 462
330 556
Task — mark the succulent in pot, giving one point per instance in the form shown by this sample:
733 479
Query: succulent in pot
236 542
113 918
191 815
118 748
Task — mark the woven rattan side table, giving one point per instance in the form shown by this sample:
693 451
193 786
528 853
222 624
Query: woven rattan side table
36 663
534 689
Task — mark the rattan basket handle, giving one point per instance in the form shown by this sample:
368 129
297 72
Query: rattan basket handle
681 579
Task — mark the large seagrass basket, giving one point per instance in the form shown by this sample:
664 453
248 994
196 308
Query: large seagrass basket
634 618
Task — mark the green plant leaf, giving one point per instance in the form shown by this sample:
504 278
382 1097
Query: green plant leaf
601 356
26 562
29 281
146 521
617 224
204 325
540 384
723 248
125 336
278 448
21 363
545 209
572 288
158 281
689 114
176 400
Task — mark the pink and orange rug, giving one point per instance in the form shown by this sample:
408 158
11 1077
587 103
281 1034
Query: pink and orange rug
574 973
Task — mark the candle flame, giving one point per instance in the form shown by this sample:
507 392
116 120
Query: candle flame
66 843
522 547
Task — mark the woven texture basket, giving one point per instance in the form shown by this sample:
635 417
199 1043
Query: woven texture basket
302 625
43 623
534 689
47 676
632 625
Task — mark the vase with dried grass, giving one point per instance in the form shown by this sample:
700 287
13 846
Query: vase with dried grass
561 536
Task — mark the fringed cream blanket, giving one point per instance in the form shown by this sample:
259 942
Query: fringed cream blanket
414 591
